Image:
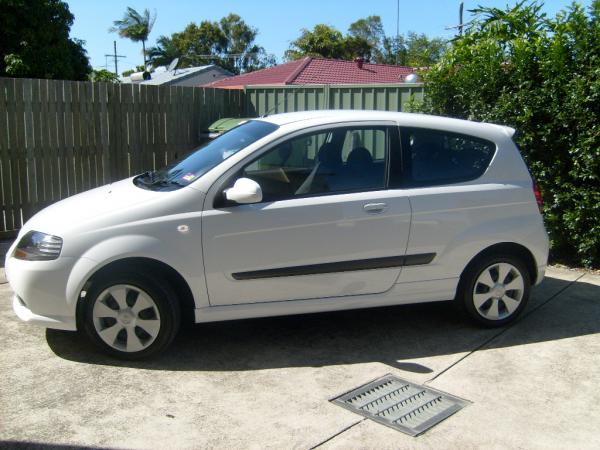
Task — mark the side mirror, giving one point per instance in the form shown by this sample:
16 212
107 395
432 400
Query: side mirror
244 191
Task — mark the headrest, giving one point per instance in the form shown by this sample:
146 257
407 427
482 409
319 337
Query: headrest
359 157
329 155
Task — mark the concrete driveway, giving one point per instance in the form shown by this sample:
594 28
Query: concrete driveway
265 383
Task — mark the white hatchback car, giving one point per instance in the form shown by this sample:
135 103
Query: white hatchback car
289 214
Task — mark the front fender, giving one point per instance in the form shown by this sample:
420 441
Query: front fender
134 246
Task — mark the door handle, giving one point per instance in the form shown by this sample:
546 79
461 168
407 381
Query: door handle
375 208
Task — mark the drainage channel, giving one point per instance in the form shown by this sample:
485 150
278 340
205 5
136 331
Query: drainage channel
385 399
400 404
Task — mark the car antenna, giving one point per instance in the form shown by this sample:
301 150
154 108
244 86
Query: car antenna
272 109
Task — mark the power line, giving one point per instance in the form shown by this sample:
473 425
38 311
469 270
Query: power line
227 56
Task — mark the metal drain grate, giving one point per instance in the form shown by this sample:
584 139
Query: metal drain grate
399 404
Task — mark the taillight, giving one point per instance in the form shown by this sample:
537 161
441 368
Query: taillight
538 196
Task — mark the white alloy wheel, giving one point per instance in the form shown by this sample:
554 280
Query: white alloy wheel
498 291
126 318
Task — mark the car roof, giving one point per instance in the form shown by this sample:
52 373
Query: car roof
310 118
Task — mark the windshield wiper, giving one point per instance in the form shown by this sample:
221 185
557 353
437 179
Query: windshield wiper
148 175
152 178
166 182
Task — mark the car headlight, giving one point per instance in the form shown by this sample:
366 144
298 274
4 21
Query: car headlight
37 246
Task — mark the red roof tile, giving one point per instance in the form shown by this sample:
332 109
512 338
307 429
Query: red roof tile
272 75
318 71
327 71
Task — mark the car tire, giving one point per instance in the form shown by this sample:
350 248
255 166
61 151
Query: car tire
494 290
131 315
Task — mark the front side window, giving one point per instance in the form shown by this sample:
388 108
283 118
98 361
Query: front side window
332 161
191 167
435 157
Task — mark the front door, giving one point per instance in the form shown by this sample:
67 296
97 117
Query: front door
327 225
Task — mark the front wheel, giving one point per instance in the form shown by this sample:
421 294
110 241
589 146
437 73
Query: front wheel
131 316
495 290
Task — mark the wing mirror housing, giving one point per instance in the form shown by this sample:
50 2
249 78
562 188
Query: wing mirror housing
244 191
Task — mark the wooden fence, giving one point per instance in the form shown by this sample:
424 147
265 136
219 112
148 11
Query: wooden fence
58 138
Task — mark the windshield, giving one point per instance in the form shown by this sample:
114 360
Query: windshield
182 172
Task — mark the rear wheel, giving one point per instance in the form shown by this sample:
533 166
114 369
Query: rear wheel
494 290
131 316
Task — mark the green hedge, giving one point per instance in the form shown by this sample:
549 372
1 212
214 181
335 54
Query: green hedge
541 76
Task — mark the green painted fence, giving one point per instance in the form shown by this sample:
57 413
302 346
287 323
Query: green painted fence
279 99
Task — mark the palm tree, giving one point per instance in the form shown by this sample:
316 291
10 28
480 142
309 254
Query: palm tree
164 52
135 26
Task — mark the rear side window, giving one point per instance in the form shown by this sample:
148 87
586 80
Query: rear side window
433 157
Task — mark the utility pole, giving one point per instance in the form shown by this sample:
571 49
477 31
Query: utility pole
115 56
397 30
460 18
461 24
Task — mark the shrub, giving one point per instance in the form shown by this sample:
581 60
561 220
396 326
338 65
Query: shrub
541 76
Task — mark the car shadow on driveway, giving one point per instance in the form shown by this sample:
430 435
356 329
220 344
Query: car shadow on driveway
390 335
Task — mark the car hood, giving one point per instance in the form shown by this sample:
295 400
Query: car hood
93 205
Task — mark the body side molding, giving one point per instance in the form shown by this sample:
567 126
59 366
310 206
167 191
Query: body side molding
341 266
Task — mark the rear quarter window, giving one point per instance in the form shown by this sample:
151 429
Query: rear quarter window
433 157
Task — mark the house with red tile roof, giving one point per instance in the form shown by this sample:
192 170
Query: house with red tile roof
318 71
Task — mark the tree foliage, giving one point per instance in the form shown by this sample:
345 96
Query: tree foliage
164 51
35 41
230 43
128 72
542 76
135 26
414 50
366 39
370 29
103 75
327 42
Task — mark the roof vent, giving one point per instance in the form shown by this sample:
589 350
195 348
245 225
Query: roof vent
411 78
359 62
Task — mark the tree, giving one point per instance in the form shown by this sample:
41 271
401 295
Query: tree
200 44
230 43
541 76
240 39
163 52
103 75
135 26
35 41
366 39
327 42
323 40
128 72
369 30
414 50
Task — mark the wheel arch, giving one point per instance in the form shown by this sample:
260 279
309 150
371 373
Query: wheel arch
507 248
145 265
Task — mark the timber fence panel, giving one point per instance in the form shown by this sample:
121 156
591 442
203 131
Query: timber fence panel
59 138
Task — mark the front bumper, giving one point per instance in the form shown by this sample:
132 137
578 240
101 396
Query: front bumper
56 322
46 292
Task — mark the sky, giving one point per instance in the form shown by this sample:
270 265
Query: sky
278 22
